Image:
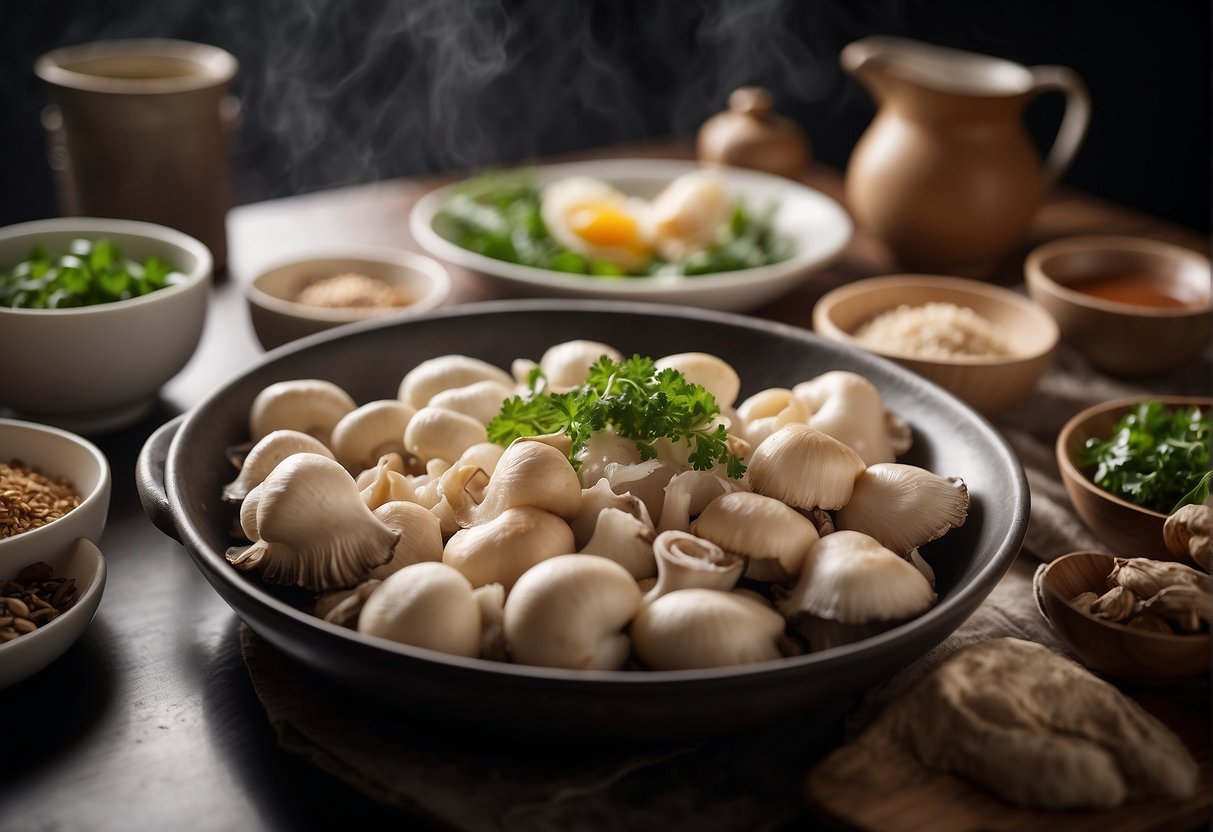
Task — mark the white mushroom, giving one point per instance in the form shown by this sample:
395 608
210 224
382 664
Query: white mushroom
694 628
367 433
850 578
772 536
904 506
248 512
420 536
597 497
804 468
685 561
387 485
313 529
567 364
434 375
501 549
436 433
688 493
848 407
625 539
265 456
310 406
426 605
713 374
570 611
531 472
646 480
766 412
481 399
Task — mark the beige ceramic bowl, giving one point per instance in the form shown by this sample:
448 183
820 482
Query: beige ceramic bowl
1120 338
988 384
1126 528
97 368
1126 653
277 318
68 544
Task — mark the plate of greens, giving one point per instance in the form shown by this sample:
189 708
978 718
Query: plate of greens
661 230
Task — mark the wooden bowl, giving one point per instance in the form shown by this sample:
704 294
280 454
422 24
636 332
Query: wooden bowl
1124 339
1136 656
1126 528
988 384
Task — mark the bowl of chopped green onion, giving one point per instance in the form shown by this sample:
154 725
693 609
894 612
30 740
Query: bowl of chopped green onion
1128 464
96 315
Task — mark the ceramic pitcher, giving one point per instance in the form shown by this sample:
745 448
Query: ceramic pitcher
946 175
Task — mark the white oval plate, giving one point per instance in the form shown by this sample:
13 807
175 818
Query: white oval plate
816 224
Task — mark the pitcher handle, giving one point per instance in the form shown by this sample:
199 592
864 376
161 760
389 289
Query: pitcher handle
1073 122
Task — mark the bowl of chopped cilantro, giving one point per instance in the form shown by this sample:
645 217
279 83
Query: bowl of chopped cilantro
96 315
1129 463
660 230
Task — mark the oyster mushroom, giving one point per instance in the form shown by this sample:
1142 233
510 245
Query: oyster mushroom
570 611
420 536
313 529
597 497
850 578
766 412
481 399
688 493
567 364
694 628
804 468
343 606
436 433
501 549
265 455
713 374
848 407
309 405
387 484
646 480
445 372
904 506
531 472
773 537
364 435
685 561
426 605
625 539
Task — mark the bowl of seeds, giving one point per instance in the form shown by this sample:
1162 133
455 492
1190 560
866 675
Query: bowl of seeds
54 500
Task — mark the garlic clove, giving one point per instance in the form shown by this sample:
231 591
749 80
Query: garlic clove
698 628
904 506
427 605
570 611
804 468
265 455
1190 609
1146 578
364 435
1115 605
771 535
312 406
445 372
685 561
420 536
501 549
313 528
1186 533
850 578
625 539
713 374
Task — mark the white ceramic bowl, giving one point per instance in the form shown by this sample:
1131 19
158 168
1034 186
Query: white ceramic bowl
26 655
817 225
96 368
277 318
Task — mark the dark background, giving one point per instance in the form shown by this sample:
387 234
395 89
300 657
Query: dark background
342 91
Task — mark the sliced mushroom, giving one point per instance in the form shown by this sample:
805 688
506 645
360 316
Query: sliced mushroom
312 406
685 561
695 628
804 468
265 456
773 537
426 605
904 506
313 529
501 549
570 611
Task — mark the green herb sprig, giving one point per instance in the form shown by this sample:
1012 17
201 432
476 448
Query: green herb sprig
92 272
1157 457
633 397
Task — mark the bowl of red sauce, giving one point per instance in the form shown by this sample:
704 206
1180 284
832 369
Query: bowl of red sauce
1133 306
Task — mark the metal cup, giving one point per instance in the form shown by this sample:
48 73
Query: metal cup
140 129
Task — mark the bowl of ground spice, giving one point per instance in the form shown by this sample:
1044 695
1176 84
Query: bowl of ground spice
987 345
322 290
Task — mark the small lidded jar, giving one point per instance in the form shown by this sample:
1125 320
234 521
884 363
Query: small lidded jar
750 135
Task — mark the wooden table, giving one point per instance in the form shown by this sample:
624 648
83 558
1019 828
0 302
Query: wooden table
150 721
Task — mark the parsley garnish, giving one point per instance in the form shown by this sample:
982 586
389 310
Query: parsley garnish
1157 457
636 399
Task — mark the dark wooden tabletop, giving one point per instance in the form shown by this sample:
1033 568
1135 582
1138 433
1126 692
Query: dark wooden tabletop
150 720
